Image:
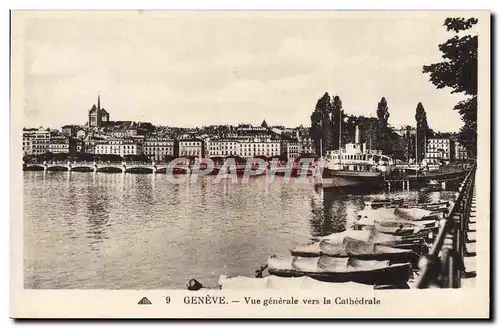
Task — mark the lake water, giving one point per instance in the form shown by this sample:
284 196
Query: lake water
138 231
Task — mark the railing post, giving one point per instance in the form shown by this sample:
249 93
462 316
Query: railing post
446 268
458 238
444 263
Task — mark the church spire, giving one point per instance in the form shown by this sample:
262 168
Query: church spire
98 101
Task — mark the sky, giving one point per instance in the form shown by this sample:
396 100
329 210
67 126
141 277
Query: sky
193 69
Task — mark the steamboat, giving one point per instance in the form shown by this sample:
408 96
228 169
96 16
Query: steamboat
355 166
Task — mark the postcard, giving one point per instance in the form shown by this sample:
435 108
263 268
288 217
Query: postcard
250 164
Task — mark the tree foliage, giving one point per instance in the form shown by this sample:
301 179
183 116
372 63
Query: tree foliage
325 122
422 130
328 118
320 123
109 158
458 71
336 122
383 140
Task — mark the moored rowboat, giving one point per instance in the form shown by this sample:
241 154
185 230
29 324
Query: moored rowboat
366 251
276 282
368 234
332 269
354 248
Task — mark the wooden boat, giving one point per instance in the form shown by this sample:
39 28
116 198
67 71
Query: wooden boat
416 245
354 248
377 203
365 250
429 205
339 269
375 222
368 234
339 236
431 186
396 213
277 282
399 228
309 250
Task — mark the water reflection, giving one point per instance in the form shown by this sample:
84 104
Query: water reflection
119 231
329 214
97 205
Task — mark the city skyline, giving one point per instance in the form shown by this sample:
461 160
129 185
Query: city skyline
219 79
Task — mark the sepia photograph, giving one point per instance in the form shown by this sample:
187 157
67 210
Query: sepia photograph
244 158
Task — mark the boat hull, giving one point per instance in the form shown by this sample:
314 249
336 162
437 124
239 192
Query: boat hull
393 258
346 179
388 275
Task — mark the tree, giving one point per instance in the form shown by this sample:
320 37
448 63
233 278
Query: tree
48 156
60 157
409 141
383 136
458 71
421 131
84 157
321 131
29 158
109 158
336 118
316 129
136 158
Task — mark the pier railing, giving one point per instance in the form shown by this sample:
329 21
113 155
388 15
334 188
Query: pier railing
443 266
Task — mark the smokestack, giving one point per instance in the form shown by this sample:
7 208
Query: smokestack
356 136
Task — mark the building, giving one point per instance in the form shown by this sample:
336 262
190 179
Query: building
157 148
206 147
28 135
460 152
224 147
121 147
79 146
124 129
440 148
292 150
98 117
36 141
191 147
251 130
259 147
306 146
59 144
70 130
81 134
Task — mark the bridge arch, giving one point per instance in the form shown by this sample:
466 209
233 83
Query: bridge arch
82 168
139 169
34 167
57 167
109 169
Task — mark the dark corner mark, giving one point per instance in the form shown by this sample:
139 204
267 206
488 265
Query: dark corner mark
492 165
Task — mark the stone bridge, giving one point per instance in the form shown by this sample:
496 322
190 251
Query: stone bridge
123 167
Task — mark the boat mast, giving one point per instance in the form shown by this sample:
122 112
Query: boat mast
416 146
370 125
340 137
425 145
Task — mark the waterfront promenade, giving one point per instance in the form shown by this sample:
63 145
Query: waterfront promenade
451 261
